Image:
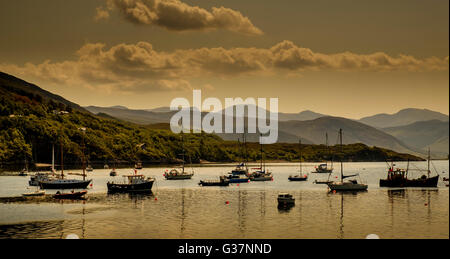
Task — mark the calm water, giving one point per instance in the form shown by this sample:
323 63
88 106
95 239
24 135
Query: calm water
182 209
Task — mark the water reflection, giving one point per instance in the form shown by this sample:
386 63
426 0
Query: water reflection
285 208
200 213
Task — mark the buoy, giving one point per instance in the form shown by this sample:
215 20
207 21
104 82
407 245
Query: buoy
237 184
426 204
156 199
227 202
334 191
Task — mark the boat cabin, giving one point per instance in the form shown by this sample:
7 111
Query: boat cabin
285 196
135 179
396 174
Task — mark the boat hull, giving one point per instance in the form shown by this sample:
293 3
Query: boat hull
129 188
298 179
34 194
420 182
286 201
347 187
78 184
214 183
70 196
178 177
261 179
239 180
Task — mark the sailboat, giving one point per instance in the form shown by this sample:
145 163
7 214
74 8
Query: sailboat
299 177
38 177
323 168
399 177
61 183
261 174
350 185
179 173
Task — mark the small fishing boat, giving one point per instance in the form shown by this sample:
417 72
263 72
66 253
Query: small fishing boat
106 166
399 177
113 172
223 181
34 194
134 183
70 195
176 174
343 186
89 168
323 168
285 199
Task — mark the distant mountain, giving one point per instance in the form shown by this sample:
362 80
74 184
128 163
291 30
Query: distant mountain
354 132
301 116
289 131
403 117
136 116
160 109
21 87
423 134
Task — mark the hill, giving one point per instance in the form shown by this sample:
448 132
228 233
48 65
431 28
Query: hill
354 132
423 134
403 117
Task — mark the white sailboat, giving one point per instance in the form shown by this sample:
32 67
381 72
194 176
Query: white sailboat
349 185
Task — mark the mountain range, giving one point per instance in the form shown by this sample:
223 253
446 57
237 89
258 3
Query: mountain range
312 127
33 119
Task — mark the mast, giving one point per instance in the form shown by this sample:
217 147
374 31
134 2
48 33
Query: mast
300 148
53 157
429 158
62 161
245 151
342 153
83 159
182 145
261 155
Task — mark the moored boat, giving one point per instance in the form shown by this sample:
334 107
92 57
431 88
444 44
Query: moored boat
323 168
34 194
399 177
350 185
285 199
300 177
70 195
223 181
180 173
134 183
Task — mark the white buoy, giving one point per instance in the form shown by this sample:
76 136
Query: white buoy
72 236
372 236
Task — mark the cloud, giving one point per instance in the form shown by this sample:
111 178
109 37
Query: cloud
101 14
175 15
139 67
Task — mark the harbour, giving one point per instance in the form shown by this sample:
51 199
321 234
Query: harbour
183 209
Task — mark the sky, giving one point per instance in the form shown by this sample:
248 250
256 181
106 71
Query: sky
341 58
